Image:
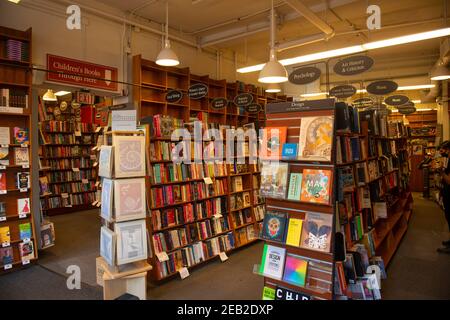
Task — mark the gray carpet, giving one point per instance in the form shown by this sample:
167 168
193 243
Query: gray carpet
417 271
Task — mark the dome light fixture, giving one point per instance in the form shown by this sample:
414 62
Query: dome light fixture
440 72
167 57
273 71
49 96
273 88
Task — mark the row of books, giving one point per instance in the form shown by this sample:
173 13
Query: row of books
242 217
23 208
13 98
59 138
21 156
68 164
16 50
20 135
246 234
68 176
164 125
164 173
173 194
72 200
70 187
259 212
26 251
22 181
61 151
175 238
24 232
195 254
67 126
240 200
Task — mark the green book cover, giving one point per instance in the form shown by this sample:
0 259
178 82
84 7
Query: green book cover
268 293
359 226
263 260
157 173
295 189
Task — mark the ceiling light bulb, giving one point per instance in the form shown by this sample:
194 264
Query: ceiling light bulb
273 88
61 93
49 96
167 57
440 72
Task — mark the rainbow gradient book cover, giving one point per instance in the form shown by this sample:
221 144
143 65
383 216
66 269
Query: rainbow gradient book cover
295 270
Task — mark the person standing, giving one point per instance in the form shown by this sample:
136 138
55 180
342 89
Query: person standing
444 150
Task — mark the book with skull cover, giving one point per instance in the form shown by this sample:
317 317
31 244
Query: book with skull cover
274 226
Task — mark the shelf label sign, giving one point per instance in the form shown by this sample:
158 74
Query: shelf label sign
342 92
184 273
198 91
353 65
2 167
362 103
2 218
243 99
223 256
25 262
8 266
304 75
22 216
81 73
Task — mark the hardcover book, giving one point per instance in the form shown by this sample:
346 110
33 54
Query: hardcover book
23 180
274 180
295 270
5 236
106 211
43 184
272 141
272 262
316 137
316 186
129 199
294 232
2 210
108 245
23 206
4 156
274 226
21 156
6 255
26 250
105 162
25 231
129 156
316 233
295 186
21 135
5 137
3 187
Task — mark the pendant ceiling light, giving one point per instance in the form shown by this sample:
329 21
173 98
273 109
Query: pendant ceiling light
167 57
49 96
273 71
440 72
273 88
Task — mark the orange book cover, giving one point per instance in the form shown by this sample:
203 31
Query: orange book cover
272 142
2 181
316 186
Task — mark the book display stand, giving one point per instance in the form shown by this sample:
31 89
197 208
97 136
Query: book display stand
298 257
123 237
18 245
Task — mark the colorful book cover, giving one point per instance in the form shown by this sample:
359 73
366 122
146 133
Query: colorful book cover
23 180
23 206
3 187
6 255
316 186
272 141
43 183
4 156
25 231
274 226
295 186
268 293
295 270
290 151
294 232
5 235
316 233
274 180
26 250
21 135
316 137
21 156
272 262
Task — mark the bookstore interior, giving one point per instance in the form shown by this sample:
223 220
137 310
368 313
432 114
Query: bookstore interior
163 159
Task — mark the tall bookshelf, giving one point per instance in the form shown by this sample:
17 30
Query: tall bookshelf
16 76
150 97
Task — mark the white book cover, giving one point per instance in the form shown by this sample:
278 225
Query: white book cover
5 137
316 138
107 199
105 162
273 262
23 206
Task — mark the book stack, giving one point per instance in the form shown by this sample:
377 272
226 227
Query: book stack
13 98
17 50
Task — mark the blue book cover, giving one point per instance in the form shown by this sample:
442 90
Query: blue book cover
355 149
274 226
290 151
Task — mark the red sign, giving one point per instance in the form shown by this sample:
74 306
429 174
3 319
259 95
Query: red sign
81 73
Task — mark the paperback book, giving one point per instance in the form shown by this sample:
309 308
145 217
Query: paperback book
316 186
6 256
25 231
4 156
316 233
295 186
295 270
272 141
21 156
272 262
294 232
316 137
274 180
274 226
26 250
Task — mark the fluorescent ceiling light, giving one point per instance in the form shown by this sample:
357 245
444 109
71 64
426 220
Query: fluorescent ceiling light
416 101
404 88
315 94
356 49
14 1
440 72
418 87
61 93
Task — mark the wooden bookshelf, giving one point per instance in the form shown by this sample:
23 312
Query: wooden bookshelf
150 96
16 75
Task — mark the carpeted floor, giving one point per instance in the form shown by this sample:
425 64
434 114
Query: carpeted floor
416 272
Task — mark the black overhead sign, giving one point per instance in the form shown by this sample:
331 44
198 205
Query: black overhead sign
344 91
362 103
407 108
219 103
198 91
283 107
174 96
243 99
397 100
253 108
304 75
383 87
353 65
